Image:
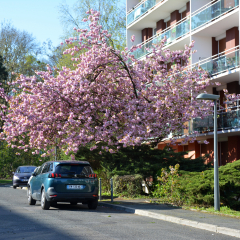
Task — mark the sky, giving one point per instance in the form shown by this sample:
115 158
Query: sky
39 17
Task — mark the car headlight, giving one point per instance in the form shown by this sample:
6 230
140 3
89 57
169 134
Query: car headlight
15 177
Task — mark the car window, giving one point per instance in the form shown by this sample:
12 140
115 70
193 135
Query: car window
39 170
36 169
26 169
45 168
87 170
51 167
74 168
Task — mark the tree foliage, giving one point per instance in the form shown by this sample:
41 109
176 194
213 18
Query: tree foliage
113 18
110 97
20 52
3 71
9 161
142 160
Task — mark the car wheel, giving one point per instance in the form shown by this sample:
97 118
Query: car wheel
93 204
14 187
73 203
31 201
45 204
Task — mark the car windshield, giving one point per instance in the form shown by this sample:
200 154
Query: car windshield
26 169
74 168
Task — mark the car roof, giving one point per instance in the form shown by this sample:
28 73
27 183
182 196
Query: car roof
69 161
27 166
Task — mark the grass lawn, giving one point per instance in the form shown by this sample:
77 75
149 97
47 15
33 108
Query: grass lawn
5 181
224 211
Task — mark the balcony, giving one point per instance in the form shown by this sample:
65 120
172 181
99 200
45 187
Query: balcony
224 61
140 10
227 119
211 12
171 34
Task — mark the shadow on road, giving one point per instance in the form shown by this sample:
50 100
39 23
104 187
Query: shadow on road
32 223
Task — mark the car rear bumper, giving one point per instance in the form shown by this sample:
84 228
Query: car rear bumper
54 196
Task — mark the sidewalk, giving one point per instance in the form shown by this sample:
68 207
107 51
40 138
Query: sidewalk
210 222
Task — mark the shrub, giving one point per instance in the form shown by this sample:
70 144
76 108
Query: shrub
127 185
168 187
198 188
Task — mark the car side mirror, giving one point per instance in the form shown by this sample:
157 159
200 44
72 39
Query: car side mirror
13 173
34 174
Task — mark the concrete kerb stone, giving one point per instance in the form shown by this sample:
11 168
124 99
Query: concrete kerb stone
182 221
229 231
208 227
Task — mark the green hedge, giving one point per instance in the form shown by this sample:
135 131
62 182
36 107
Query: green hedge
128 185
198 188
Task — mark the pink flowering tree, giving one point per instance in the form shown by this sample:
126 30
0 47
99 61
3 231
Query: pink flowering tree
110 97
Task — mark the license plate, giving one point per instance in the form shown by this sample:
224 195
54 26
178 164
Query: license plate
24 180
78 187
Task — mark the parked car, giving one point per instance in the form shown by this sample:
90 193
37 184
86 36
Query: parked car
36 169
21 176
63 181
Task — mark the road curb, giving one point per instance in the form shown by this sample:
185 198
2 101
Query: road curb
204 226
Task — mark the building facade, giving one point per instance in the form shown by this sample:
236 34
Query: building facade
214 26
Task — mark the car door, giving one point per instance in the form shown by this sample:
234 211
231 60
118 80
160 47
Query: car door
36 184
45 173
40 179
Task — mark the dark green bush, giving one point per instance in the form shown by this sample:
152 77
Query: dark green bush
198 188
127 185
142 160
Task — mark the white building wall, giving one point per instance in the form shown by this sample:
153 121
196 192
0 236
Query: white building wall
196 4
131 3
203 45
138 37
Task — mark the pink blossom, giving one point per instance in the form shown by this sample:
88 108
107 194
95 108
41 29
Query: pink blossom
132 38
110 97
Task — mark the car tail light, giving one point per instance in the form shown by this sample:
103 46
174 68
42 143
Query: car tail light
93 175
95 195
54 175
52 195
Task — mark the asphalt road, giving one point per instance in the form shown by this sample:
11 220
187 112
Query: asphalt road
18 221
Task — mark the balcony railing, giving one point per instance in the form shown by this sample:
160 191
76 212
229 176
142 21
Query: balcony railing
221 62
172 33
140 10
228 118
209 13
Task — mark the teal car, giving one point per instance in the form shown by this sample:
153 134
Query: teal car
63 181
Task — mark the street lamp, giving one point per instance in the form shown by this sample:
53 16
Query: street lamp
204 96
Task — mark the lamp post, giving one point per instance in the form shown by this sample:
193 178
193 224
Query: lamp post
204 96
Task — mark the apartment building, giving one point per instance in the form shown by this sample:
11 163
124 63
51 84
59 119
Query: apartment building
214 26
